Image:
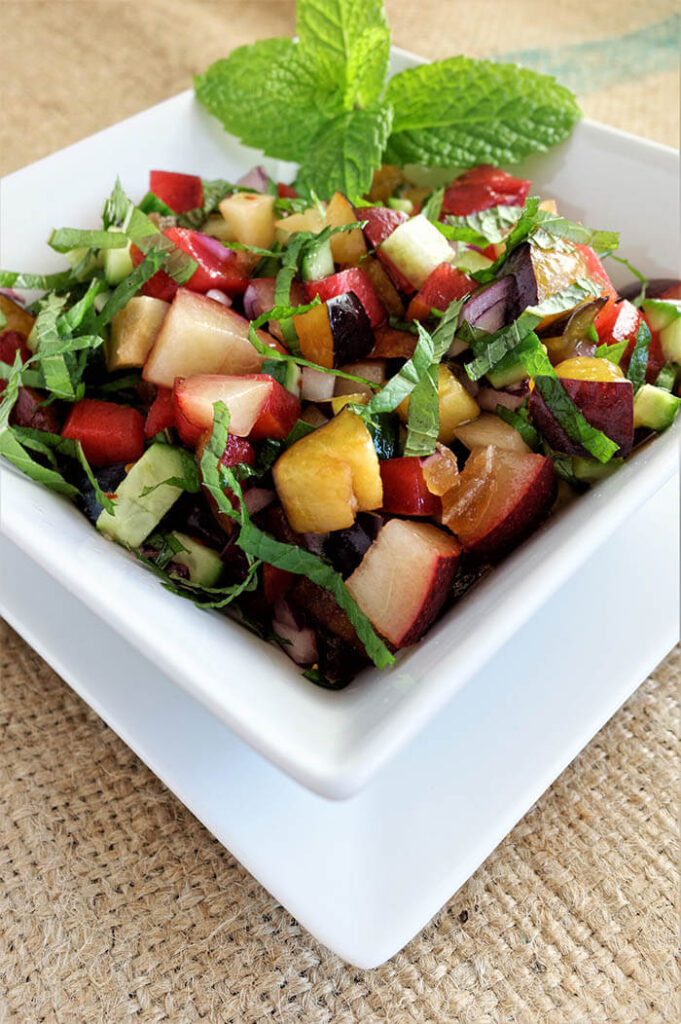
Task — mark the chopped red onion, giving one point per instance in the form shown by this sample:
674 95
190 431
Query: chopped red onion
301 645
255 179
316 386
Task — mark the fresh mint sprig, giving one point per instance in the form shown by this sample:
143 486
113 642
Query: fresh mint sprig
323 102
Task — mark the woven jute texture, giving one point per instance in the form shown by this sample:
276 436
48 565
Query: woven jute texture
116 905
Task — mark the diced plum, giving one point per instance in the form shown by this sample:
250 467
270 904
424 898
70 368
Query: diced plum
12 342
336 332
539 273
16 316
405 492
380 222
199 335
161 415
218 267
404 578
250 217
326 477
109 433
444 285
133 331
258 405
456 405
608 405
481 188
181 192
490 429
502 496
347 247
351 280
30 411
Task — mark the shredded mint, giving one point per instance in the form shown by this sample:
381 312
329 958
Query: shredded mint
129 286
519 419
637 273
65 239
484 228
638 364
613 352
429 350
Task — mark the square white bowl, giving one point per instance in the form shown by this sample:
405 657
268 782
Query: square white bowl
332 742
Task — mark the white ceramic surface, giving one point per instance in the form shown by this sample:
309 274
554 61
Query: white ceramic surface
333 743
364 875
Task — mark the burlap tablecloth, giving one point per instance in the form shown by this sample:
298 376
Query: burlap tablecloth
116 905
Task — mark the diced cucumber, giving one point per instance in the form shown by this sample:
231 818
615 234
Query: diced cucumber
318 262
416 248
670 340
203 564
589 471
659 312
668 376
405 205
470 260
655 408
509 371
136 513
117 264
76 256
292 377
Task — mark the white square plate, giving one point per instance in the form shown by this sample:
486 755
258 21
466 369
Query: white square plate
331 742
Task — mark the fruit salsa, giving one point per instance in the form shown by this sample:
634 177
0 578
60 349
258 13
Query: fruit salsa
329 419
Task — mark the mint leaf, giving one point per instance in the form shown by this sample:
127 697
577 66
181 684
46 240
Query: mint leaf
129 286
367 67
345 152
268 95
638 364
15 453
460 112
637 273
329 31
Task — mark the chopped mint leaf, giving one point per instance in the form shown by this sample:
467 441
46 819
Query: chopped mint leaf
613 352
432 208
519 419
129 286
460 112
143 233
41 282
488 227
3 321
429 350
570 418
637 273
15 453
490 349
65 239
344 153
152 204
116 207
57 367
638 364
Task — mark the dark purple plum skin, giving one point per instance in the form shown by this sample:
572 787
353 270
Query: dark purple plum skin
607 405
350 329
